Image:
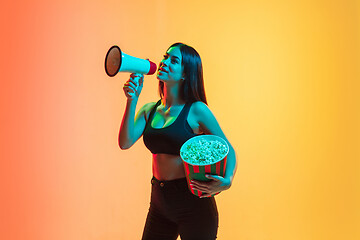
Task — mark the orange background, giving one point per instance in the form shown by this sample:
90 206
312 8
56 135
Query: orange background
281 77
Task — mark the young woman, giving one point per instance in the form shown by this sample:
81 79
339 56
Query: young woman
181 113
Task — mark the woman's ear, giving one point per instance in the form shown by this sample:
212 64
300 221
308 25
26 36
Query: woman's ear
183 77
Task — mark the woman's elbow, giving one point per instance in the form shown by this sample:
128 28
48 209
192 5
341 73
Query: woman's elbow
124 146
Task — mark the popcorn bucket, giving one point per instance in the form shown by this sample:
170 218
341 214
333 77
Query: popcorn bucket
204 154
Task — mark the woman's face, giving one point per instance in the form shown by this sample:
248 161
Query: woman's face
170 68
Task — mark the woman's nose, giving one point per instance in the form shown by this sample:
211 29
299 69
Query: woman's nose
164 62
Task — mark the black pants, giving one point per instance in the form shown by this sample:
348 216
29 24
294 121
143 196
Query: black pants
175 210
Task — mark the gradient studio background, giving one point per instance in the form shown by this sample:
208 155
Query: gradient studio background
282 78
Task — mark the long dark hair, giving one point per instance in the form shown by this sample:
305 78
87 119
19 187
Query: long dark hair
192 88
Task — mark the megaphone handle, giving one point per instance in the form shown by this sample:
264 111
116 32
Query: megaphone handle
136 81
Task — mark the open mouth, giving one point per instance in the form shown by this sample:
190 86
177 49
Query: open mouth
162 70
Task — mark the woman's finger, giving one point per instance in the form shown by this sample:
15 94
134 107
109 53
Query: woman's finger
199 188
130 83
202 191
129 86
130 90
141 81
213 177
202 187
132 75
136 81
202 183
132 80
136 75
205 195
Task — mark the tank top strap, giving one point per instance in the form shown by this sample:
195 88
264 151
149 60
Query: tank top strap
185 112
153 111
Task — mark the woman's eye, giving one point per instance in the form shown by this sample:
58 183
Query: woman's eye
173 61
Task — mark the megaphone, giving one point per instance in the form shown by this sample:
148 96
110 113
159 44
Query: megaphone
117 61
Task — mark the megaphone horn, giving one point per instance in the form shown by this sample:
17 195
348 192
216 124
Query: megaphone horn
117 61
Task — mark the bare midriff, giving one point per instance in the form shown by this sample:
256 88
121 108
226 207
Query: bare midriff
167 167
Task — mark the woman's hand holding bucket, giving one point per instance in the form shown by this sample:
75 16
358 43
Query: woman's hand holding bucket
210 188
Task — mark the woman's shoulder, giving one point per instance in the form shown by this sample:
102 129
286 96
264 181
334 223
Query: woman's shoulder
198 107
147 107
199 110
203 116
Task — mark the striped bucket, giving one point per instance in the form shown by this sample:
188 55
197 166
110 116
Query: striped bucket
198 171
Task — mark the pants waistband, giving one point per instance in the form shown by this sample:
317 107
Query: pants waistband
180 182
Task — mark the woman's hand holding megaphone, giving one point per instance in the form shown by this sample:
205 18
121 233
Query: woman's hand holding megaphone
134 85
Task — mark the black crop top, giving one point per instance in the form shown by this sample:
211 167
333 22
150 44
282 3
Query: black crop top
168 139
